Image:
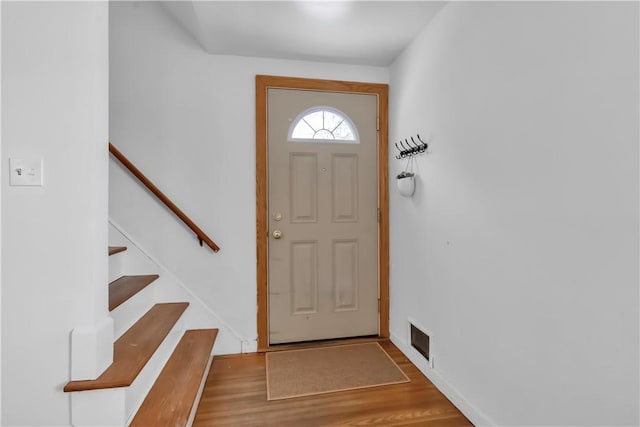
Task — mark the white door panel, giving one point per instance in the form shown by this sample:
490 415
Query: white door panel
323 199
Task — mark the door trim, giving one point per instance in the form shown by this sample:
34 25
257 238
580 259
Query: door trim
263 83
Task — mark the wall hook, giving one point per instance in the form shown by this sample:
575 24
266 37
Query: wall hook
412 148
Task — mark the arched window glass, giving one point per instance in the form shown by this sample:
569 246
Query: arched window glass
323 124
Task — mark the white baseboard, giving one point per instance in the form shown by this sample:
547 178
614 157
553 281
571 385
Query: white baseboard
249 346
472 413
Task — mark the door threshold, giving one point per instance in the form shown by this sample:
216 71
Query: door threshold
323 343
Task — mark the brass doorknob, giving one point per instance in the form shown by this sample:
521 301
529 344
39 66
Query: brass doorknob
277 234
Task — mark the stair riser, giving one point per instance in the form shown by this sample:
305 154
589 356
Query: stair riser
127 313
115 266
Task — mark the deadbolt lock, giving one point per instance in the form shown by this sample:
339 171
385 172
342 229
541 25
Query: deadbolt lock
277 234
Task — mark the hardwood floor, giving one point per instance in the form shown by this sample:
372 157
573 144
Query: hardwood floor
235 394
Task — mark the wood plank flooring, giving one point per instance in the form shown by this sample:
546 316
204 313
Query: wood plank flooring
236 395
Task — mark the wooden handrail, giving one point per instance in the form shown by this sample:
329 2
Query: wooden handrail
202 237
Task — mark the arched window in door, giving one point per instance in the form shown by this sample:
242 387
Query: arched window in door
323 124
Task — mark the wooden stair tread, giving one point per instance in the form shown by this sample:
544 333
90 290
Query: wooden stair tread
170 400
135 347
125 287
116 249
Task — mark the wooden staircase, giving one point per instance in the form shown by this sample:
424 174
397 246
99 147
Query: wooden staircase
120 290
170 401
173 398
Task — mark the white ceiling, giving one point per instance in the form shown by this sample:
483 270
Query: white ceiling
354 32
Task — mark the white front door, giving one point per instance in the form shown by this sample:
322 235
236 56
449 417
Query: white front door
323 243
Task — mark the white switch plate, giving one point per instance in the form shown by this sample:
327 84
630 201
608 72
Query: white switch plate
25 172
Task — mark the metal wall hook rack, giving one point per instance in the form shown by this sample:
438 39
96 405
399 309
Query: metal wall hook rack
411 148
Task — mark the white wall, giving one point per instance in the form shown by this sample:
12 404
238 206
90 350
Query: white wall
0 220
519 250
54 238
187 120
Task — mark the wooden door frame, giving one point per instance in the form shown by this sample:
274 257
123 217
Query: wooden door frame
263 83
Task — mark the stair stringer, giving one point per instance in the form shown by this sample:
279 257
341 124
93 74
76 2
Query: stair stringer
169 288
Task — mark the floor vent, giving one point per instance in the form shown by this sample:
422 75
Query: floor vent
420 341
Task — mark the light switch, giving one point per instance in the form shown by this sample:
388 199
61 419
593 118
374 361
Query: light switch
25 172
